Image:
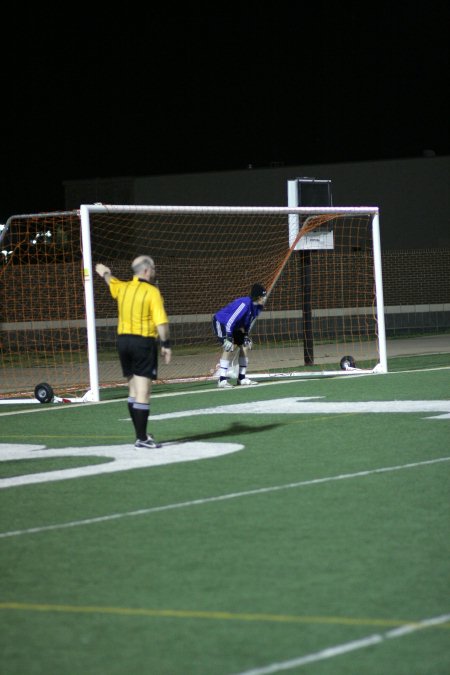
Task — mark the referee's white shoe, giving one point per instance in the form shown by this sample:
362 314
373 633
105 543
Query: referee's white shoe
246 382
149 443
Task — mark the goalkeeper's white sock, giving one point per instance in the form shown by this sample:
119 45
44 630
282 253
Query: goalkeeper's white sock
223 372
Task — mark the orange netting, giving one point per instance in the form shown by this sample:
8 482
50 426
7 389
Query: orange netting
203 261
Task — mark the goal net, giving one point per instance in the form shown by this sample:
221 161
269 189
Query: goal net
321 266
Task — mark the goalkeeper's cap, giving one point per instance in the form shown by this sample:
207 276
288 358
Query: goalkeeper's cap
258 291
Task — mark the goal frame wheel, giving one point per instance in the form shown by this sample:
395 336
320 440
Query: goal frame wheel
44 393
347 363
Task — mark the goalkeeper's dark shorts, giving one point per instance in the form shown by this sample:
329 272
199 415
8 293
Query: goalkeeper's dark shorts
221 332
138 356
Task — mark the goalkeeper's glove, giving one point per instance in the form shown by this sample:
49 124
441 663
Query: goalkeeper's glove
228 345
247 342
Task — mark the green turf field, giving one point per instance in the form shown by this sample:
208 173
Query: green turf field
297 526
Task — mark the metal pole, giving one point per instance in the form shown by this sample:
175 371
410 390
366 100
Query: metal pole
89 300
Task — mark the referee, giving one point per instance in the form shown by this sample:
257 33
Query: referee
142 319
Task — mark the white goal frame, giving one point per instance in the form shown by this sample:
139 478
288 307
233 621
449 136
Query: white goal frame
290 212
90 331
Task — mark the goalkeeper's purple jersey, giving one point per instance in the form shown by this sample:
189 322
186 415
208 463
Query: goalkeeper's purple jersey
239 313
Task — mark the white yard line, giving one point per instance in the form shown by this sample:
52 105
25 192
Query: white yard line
209 500
47 407
337 650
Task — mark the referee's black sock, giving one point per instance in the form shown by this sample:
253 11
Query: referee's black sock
130 407
141 411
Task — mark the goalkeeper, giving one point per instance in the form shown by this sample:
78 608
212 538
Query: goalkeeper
231 325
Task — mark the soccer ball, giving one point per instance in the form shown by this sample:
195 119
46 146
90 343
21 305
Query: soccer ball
347 363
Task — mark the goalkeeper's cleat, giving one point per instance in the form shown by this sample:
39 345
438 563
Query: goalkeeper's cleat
224 384
246 382
149 443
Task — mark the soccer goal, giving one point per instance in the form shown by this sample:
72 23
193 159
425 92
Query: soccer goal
321 266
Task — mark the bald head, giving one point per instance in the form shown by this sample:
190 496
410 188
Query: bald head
143 266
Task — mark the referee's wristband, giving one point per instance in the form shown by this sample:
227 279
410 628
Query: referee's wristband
165 344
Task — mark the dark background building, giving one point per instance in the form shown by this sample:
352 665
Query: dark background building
413 194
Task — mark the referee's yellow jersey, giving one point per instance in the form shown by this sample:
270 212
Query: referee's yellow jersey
140 305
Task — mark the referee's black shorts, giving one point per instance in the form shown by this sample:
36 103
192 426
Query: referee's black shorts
138 356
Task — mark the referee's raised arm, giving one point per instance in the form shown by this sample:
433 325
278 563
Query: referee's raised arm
104 272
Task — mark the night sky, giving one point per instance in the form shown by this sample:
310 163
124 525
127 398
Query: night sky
135 92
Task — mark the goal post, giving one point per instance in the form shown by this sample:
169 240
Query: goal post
378 275
59 322
88 274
